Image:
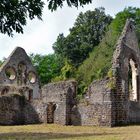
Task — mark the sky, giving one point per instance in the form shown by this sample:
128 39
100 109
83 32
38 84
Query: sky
39 35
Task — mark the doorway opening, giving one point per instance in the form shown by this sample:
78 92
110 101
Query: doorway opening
50 112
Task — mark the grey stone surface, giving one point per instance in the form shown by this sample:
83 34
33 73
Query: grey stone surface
18 75
62 95
15 109
95 108
19 87
126 49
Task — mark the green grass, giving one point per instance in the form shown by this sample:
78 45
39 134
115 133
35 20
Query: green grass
53 132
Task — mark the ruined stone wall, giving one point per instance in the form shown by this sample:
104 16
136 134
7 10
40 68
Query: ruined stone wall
126 50
19 87
17 75
134 112
15 109
95 108
62 95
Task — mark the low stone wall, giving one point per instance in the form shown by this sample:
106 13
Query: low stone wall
92 114
15 109
134 112
96 107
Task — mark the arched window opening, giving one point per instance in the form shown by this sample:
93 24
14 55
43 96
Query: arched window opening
30 95
4 91
133 81
22 66
10 73
32 77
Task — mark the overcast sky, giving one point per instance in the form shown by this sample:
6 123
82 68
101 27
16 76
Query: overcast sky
39 35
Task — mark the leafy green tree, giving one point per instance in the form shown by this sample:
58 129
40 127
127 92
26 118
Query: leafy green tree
1 62
59 45
14 14
87 32
67 72
132 13
54 4
47 66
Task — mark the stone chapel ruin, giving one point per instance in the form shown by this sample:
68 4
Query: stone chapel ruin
112 101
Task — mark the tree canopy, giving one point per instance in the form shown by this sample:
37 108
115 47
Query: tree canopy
88 30
14 14
86 53
54 4
47 66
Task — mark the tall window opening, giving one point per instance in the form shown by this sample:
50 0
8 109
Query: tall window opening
133 81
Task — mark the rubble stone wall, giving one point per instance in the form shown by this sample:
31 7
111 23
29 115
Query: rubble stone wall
62 95
15 109
95 108
127 50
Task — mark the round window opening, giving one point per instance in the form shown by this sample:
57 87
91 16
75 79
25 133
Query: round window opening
10 73
22 66
32 77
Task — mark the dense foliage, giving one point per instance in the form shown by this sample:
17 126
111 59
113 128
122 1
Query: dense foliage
47 66
88 30
14 14
54 4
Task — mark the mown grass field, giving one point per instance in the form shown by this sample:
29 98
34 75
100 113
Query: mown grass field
53 132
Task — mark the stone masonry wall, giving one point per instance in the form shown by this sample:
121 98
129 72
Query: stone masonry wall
95 108
15 109
62 95
18 75
126 49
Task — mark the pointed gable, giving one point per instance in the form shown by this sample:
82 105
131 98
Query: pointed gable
127 44
18 72
18 55
129 37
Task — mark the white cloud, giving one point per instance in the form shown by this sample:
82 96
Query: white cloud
39 36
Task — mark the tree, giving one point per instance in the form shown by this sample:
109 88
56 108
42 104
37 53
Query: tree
132 13
87 32
66 72
14 14
54 4
47 66
59 45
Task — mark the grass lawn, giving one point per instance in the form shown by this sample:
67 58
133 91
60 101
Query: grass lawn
52 132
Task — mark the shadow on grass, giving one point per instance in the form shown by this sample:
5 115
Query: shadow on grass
47 136
126 125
